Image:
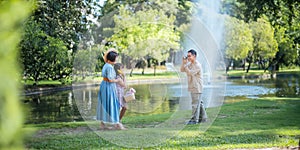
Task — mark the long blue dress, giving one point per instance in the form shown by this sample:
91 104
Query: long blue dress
108 104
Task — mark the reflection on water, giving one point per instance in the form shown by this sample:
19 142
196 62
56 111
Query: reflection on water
288 85
65 106
150 98
51 108
284 85
250 90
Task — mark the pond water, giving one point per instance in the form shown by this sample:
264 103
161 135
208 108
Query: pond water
64 106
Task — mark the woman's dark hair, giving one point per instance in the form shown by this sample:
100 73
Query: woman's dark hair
193 52
111 56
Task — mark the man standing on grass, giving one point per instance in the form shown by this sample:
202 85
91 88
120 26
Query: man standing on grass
192 67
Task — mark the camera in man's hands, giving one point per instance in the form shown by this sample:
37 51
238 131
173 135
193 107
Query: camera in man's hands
184 57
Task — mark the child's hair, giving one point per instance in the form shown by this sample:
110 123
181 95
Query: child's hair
117 68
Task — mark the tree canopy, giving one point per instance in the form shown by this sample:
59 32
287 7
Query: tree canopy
152 29
265 45
283 16
51 37
238 38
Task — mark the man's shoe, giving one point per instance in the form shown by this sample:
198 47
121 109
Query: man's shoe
191 122
203 120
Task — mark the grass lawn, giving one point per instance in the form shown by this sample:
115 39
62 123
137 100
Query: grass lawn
252 123
239 73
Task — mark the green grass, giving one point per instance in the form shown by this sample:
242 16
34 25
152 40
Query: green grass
261 123
160 75
243 73
290 69
43 82
239 73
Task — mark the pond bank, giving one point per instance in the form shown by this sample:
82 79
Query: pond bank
44 89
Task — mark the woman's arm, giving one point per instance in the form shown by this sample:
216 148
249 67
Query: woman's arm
113 80
110 74
121 82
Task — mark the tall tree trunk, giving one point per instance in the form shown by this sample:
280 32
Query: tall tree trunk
260 64
228 62
130 74
227 68
36 79
249 66
244 64
132 66
250 58
276 67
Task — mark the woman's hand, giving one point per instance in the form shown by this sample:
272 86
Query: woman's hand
118 80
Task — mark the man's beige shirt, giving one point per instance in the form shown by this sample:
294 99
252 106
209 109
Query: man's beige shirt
194 75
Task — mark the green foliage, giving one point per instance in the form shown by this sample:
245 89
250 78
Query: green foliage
65 20
12 14
238 38
148 32
87 62
51 36
284 16
265 45
183 15
57 27
42 56
286 55
144 29
264 41
181 9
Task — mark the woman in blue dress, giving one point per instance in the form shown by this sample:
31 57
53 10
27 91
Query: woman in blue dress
108 105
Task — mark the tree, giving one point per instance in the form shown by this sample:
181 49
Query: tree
283 15
286 55
12 15
287 31
265 46
65 20
148 32
42 56
86 62
238 39
180 10
51 37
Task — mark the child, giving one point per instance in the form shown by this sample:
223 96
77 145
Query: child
121 85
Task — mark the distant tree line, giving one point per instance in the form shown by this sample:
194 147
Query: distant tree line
64 38
265 32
